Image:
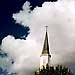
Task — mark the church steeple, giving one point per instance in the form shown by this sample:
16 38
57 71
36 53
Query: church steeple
46 45
45 56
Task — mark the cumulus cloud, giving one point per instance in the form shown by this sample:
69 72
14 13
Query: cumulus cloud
22 53
59 16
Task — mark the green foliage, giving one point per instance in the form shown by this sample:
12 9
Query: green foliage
59 70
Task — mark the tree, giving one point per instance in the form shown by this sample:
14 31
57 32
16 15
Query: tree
59 70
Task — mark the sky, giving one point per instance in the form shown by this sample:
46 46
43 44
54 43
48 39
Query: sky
7 24
22 31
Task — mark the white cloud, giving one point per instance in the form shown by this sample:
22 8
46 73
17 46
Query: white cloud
60 17
23 52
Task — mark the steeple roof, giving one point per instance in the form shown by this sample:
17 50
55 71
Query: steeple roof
46 45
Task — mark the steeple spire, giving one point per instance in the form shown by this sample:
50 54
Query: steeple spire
46 45
45 56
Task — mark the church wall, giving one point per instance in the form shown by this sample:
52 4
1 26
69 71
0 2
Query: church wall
44 60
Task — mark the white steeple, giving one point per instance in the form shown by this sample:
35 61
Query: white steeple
45 56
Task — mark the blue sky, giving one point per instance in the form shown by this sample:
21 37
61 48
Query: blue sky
7 24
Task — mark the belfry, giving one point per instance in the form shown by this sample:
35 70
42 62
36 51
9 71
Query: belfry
45 55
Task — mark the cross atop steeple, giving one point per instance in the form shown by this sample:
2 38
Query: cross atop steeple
46 28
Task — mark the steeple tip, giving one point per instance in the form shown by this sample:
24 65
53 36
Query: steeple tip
46 28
